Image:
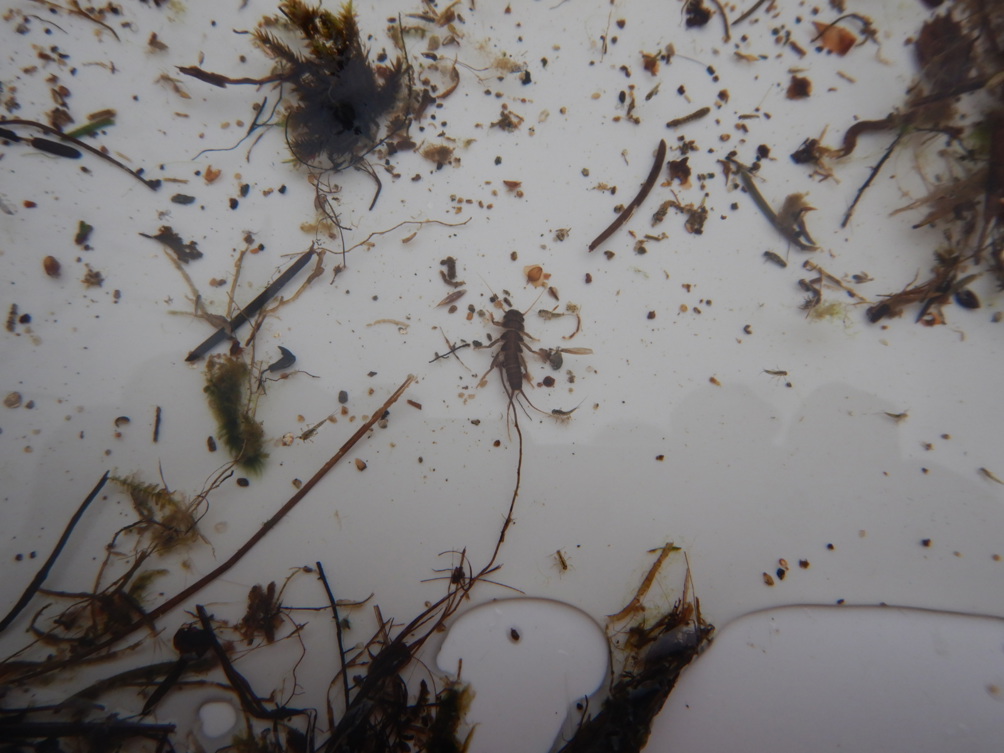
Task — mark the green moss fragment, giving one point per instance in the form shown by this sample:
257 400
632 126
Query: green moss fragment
227 381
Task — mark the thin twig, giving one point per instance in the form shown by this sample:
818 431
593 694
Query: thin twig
338 631
749 13
636 202
76 10
512 505
375 233
725 20
250 702
871 177
43 573
153 185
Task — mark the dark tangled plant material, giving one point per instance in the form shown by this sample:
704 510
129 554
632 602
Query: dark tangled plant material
227 380
341 98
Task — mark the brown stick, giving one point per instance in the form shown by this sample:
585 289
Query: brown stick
871 176
42 574
152 184
237 556
646 188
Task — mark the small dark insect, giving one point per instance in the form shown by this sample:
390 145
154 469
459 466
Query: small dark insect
287 360
775 259
509 358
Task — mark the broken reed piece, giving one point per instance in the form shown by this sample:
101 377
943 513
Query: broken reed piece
646 188
249 311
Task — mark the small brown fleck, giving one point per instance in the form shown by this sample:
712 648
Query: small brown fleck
768 579
804 564
360 464
210 444
93 278
833 38
154 43
243 482
799 88
660 458
13 400
650 315
714 381
925 542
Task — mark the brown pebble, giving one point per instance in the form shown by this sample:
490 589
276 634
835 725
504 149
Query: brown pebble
52 266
